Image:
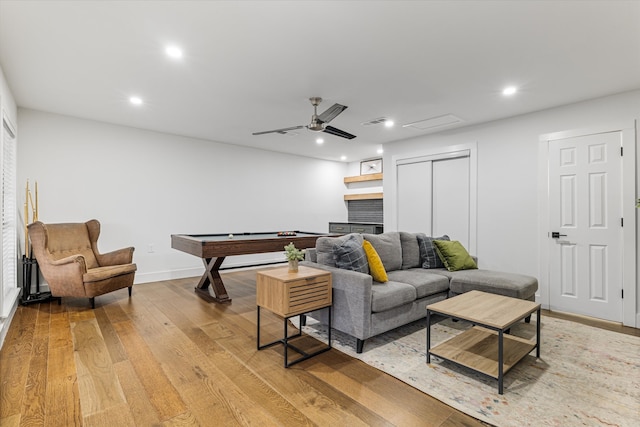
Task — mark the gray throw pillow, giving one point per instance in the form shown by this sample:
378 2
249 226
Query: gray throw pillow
350 255
324 248
388 247
410 250
428 255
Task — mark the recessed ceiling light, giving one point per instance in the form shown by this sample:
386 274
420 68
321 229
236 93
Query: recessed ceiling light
135 100
380 151
509 90
389 123
319 140
174 52
343 158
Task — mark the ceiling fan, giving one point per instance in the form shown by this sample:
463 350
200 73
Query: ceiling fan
318 122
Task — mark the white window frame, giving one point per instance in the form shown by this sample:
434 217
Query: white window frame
9 290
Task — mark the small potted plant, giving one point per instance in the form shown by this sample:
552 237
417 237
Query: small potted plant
293 255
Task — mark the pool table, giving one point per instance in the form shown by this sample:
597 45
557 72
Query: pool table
214 248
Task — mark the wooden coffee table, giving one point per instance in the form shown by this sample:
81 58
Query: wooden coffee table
486 347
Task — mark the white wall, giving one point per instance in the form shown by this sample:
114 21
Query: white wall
508 171
144 186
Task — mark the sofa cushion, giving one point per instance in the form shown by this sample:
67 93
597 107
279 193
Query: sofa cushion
454 256
428 255
388 247
442 272
376 269
410 250
391 294
349 255
324 248
425 283
495 282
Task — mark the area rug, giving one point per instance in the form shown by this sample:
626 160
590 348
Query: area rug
584 377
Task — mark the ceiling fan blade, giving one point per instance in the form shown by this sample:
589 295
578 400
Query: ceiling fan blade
338 132
331 113
283 130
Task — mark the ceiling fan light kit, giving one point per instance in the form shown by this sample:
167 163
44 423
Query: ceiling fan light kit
318 122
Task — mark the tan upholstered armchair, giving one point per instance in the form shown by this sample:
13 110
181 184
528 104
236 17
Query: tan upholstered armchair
70 262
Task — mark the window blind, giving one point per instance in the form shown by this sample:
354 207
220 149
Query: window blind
8 218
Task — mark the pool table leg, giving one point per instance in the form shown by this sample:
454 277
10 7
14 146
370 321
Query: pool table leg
212 277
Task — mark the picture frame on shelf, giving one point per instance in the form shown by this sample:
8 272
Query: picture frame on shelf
368 167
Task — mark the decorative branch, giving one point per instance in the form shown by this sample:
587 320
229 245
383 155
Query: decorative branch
28 200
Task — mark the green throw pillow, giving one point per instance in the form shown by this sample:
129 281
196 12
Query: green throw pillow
454 256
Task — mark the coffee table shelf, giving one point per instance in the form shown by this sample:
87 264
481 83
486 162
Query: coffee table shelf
477 348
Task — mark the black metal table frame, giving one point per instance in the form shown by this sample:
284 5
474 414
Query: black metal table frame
287 337
500 332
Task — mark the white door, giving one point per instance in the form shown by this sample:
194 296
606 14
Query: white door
414 193
451 184
585 210
433 196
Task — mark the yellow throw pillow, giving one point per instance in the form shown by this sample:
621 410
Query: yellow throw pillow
376 268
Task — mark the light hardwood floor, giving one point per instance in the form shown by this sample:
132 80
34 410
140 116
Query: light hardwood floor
166 357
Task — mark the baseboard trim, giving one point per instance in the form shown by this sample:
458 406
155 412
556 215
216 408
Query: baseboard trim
5 322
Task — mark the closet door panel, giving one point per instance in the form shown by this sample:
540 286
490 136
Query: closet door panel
414 193
451 199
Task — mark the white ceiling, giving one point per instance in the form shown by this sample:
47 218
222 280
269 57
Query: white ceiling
250 66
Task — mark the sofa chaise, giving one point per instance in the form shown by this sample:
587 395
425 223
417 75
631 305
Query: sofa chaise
364 307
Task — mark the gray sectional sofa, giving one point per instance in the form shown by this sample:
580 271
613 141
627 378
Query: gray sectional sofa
364 308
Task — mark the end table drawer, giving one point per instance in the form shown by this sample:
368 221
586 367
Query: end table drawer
291 297
307 295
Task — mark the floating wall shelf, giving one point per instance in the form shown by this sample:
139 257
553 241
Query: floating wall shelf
363 196
362 178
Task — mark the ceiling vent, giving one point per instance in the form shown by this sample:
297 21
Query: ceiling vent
378 121
435 122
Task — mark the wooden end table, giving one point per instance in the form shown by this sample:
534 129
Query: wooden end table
290 294
486 347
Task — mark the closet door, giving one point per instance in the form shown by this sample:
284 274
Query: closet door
414 192
434 196
450 199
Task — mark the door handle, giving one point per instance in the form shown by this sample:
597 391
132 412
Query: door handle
557 235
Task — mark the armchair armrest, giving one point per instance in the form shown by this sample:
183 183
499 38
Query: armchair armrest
117 257
352 296
74 261
65 275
